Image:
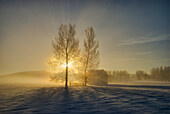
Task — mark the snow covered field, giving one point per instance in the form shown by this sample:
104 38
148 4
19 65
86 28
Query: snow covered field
114 98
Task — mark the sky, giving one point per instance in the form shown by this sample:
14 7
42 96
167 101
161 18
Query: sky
133 34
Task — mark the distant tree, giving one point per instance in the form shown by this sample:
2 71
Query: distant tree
146 76
90 52
157 73
114 76
160 73
139 74
153 73
66 46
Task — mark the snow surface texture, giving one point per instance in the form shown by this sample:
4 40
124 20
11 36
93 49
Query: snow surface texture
93 99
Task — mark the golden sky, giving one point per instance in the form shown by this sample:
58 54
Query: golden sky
133 34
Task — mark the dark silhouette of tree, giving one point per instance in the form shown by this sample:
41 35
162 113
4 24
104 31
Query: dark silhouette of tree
114 76
90 52
160 73
157 74
66 46
141 75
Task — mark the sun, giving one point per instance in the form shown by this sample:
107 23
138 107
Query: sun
69 65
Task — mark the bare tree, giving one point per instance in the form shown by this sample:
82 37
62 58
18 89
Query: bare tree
90 52
66 46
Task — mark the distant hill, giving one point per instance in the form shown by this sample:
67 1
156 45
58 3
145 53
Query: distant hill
26 77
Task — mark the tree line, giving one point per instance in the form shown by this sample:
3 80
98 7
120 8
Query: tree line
118 76
156 74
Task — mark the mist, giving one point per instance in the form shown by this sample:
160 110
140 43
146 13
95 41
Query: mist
27 77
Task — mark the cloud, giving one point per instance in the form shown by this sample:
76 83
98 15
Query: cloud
125 59
145 53
142 40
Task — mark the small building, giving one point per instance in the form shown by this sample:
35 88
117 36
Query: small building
97 77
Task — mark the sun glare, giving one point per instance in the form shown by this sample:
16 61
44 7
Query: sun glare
69 65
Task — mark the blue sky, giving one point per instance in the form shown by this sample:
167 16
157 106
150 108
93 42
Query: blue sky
133 34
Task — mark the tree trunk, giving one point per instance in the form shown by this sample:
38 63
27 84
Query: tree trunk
85 71
66 70
85 79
